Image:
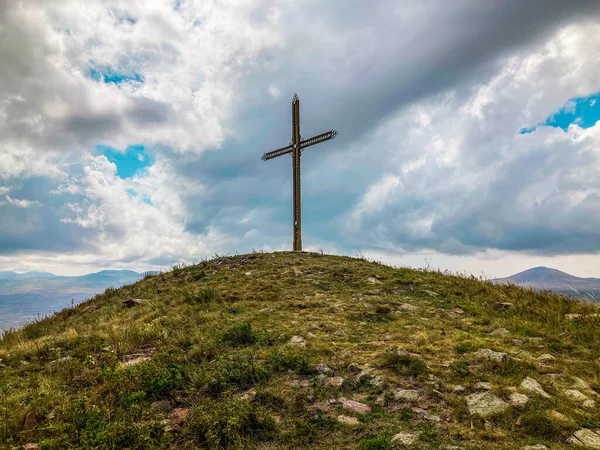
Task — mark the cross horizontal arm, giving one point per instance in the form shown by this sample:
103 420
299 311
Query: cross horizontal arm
303 144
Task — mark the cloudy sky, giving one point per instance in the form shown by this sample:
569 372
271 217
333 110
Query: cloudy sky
131 132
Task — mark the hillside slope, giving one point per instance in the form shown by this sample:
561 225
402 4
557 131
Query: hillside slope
286 350
546 279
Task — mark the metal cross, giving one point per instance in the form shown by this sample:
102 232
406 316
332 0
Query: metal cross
295 148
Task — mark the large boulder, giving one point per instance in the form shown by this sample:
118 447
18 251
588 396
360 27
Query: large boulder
585 438
532 386
485 404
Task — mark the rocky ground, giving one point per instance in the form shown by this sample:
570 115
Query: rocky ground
306 351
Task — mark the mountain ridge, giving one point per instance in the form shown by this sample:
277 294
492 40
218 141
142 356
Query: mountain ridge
543 278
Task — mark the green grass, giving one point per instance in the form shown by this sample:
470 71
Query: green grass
216 340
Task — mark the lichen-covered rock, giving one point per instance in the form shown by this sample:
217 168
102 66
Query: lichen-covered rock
298 340
500 332
347 420
333 382
323 369
575 394
485 404
486 353
405 438
586 438
407 395
353 406
177 418
531 385
517 399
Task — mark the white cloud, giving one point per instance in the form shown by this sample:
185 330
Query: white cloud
471 181
191 61
22 203
127 227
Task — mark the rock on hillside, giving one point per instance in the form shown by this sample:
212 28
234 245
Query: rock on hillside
288 350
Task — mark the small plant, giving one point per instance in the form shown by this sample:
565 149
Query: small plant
289 359
467 347
381 314
230 424
192 294
240 334
381 442
402 363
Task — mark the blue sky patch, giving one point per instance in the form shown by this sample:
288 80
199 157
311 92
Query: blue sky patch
582 111
108 75
129 162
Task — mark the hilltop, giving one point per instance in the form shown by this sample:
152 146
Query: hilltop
286 350
546 279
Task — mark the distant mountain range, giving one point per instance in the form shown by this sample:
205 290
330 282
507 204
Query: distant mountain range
546 279
26 296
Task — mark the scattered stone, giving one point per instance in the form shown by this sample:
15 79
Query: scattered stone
531 385
297 272
323 369
482 386
249 273
130 302
30 423
589 404
486 353
248 395
301 383
298 340
347 420
457 311
432 418
58 361
578 383
517 342
373 280
502 305
31 446
586 438
430 293
485 404
535 447
408 307
134 361
176 418
575 394
364 376
517 399
500 332
377 381
333 382
458 389
572 316
408 395
161 406
559 417
546 357
405 438
87 309
356 407
353 367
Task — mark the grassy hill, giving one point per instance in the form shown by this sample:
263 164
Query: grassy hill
305 350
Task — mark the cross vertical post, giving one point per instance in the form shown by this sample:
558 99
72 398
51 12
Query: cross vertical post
295 148
297 209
